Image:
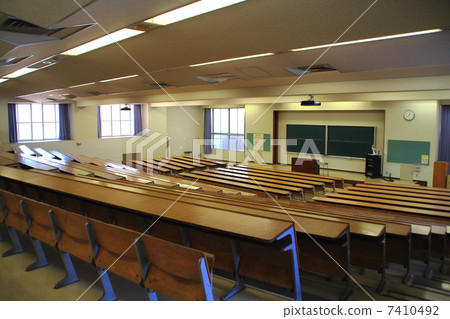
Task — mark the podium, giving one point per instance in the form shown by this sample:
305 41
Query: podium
309 166
373 166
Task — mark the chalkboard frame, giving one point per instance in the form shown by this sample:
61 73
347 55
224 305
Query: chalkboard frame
358 146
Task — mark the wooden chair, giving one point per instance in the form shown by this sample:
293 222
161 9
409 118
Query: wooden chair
13 219
39 229
175 271
113 251
71 237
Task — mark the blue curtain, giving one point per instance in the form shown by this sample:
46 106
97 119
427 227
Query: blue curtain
207 131
137 119
99 122
12 122
64 121
444 139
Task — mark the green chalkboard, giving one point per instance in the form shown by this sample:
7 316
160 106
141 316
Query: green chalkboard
351 141
408 152
313 135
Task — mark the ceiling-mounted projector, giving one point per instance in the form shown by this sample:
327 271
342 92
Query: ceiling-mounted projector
311 101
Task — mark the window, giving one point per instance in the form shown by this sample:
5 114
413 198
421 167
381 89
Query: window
37 122
116 120
228 129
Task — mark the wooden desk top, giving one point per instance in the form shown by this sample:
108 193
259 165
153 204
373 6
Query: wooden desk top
269 178
194 160
399 193
185 161
312 222
252 227
167 160
421 230
396 197
58 165
439 189
237 184
247 180
217 163
7 155
163 164
293 173
150 166
20 158
61 156
403 202
283 174
7 161
422 190
360 203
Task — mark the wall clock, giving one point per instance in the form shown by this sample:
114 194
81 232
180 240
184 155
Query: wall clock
409 115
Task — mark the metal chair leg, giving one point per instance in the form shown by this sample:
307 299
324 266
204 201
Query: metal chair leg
41 260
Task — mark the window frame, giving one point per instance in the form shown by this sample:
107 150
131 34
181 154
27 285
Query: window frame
32 122
237 147
110 121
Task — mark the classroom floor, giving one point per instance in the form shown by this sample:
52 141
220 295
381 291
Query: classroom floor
16 284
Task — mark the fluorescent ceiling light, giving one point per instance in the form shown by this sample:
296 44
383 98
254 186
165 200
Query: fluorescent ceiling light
19 72
3 80
80 85
233 59
103 41
121 78
395 36
191 10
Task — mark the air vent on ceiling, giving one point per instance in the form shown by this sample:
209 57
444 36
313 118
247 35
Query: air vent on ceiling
143 27
15 25
157 86
94 93
12 24
49 61
211 80
216 78
69 96
311 69
12 61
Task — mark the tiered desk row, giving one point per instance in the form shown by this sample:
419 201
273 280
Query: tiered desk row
425 209
253 242
266 182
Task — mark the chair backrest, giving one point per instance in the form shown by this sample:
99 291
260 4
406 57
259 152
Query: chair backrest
71 233
12 213
177 271
38 221
115 249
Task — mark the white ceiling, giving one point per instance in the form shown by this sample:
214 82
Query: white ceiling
251 27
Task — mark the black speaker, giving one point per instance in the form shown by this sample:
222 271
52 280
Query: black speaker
373 166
